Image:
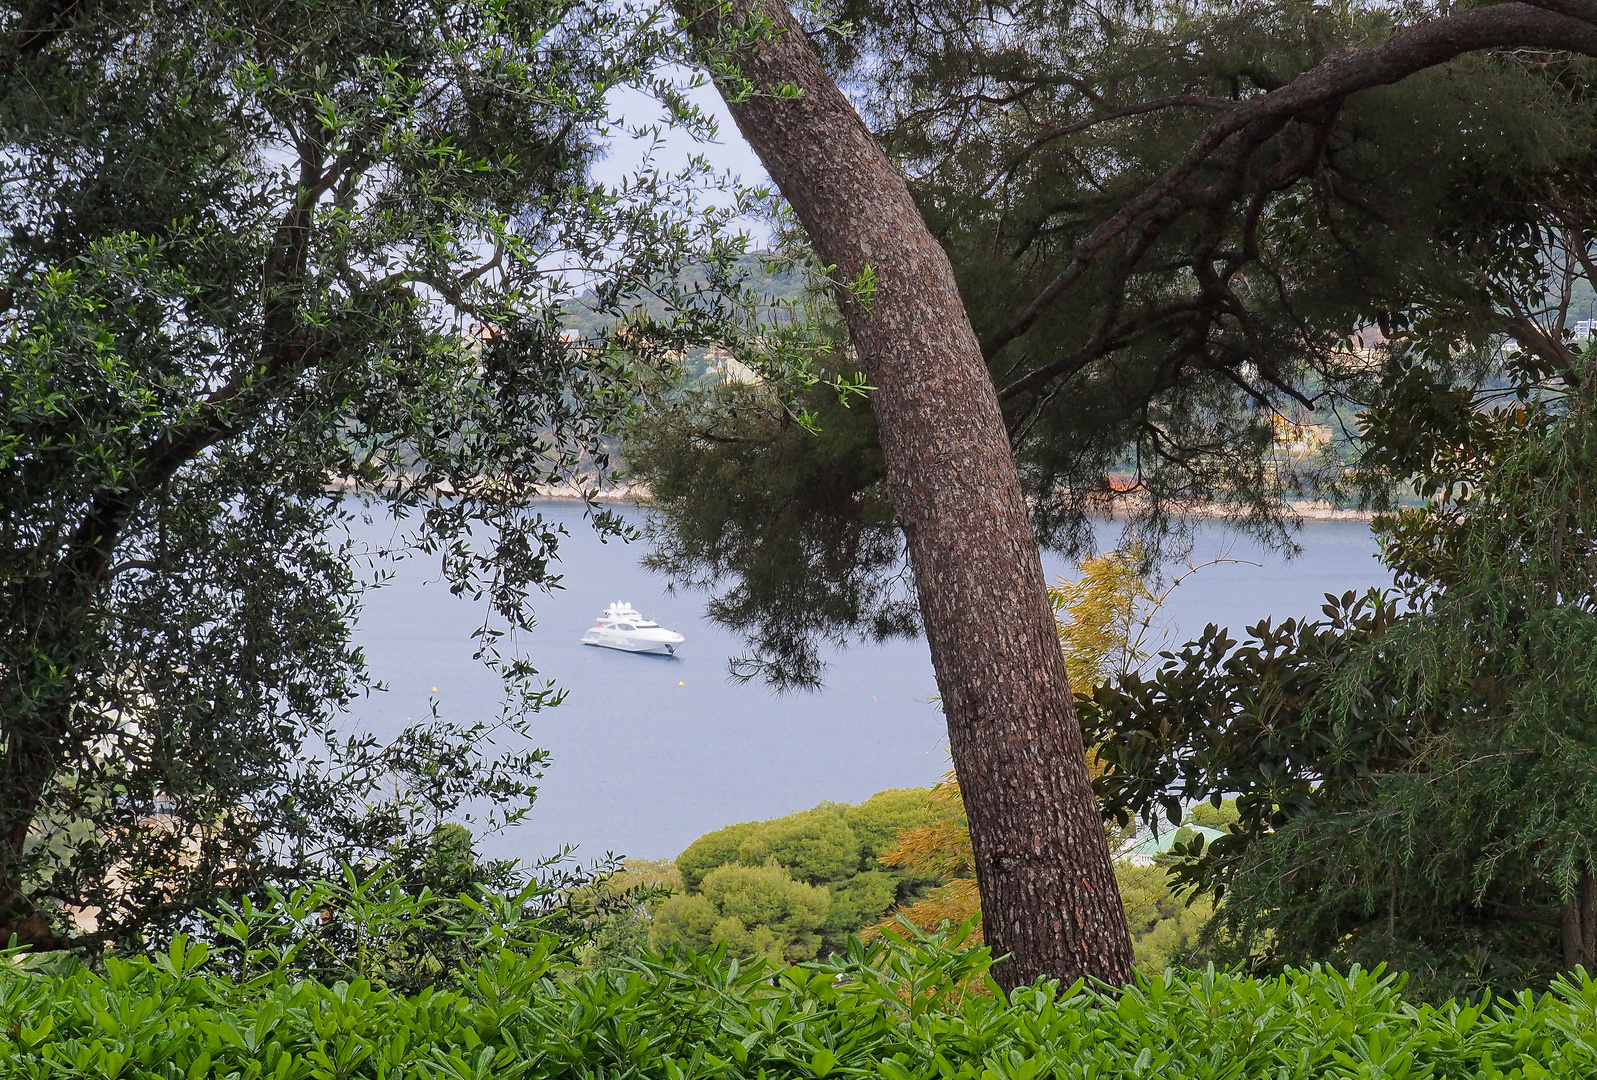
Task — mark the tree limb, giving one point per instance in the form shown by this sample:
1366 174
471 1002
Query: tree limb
1343 73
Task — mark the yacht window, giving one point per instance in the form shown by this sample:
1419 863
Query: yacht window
624 626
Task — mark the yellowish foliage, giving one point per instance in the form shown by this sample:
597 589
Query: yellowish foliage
952 903
633 875
940 848
1171 941
1100 616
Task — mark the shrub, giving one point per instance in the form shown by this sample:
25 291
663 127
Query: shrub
833 846
1215 817
880 819
612 910
1173 939
890 1013
856 903
750 910
714 849
816 845
372 926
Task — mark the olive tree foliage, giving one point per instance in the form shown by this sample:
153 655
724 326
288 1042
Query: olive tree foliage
1154 285
250 250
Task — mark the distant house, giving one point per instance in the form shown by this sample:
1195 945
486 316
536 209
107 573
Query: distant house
1300 438
727 369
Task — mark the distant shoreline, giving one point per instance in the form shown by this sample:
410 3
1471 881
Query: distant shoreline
1305 509
638 495
631 494
1322 510
635 494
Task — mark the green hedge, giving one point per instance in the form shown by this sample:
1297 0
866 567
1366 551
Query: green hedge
900 1011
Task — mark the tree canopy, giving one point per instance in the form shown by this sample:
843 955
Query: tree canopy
1149 322
1414 773
263 268
797 886
1209 242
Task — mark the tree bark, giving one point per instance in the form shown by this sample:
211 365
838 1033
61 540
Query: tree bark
1578 926
1049 900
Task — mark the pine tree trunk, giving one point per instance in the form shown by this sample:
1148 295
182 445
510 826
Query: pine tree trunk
1047 884
1578 926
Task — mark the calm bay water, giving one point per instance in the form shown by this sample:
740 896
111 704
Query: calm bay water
650 752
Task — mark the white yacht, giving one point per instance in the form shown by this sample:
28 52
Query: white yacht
622 627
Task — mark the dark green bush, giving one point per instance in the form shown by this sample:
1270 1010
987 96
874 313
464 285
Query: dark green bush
375 926
899 1011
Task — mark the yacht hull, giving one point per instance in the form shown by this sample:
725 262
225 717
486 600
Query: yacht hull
662 648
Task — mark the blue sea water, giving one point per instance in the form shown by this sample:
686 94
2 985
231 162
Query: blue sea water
648 753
